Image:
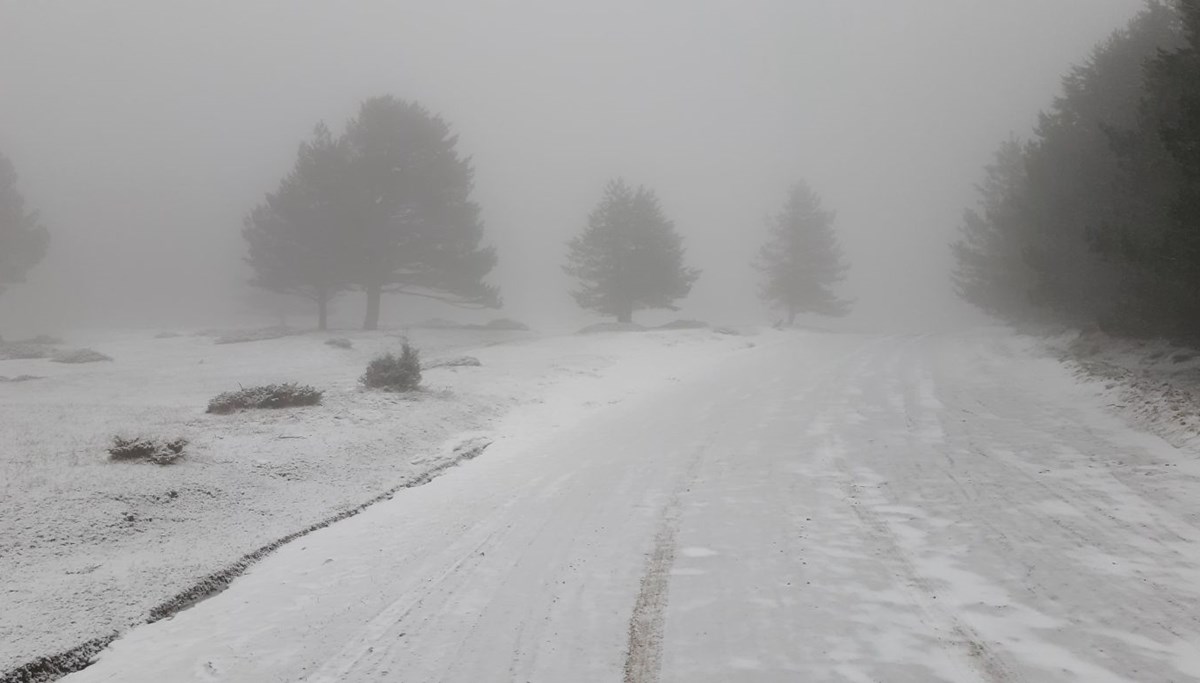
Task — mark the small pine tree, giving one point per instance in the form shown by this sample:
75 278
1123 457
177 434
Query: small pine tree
23 240
801 260
629 257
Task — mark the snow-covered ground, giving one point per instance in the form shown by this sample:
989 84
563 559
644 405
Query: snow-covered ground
1154 383
817 507
89 546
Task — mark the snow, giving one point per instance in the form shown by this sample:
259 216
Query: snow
812 507
88 546
1153 383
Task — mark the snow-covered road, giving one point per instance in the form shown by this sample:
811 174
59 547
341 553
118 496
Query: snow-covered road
818 508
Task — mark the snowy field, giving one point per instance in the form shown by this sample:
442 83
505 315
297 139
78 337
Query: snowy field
683 507
89 546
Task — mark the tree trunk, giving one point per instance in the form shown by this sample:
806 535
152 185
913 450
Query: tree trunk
374 293
625 315
323 314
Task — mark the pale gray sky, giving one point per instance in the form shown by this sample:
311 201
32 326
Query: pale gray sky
145 130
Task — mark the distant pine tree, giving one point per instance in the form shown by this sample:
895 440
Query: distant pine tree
992 271
295 238
629 257
385 208
802 261
23 241
411 223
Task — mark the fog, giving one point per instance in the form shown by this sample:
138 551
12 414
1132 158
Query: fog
144 132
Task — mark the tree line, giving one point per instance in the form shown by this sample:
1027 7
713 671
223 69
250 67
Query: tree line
384 207
1095 221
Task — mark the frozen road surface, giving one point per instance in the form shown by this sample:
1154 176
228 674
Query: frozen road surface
816 508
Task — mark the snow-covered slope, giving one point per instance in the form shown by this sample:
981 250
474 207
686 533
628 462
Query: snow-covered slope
819 507
1153 383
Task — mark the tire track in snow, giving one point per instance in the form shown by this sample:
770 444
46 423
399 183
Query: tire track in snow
389 625
984 660
900 399
916 398
644 655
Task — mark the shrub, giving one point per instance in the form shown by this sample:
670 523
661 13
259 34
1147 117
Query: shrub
269 396
339 343
390 372
79 356
23 351
157 451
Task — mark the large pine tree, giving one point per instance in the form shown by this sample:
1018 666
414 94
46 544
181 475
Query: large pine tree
1158 235
802 261
411 224
992 271
1074 183
629 257
1062 215
296 242
23 240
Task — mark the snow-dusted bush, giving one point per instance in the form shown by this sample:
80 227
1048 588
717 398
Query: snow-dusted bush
79 356
23 351
269 396
157 451
390 372
339 343
18 378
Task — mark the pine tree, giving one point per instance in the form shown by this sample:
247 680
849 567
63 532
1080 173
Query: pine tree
1172 109
23 240
802 261
1074 177
296 242
629 257
410 222
1154 231
1048 242
992 271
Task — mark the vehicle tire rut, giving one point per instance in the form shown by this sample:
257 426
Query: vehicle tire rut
644 654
